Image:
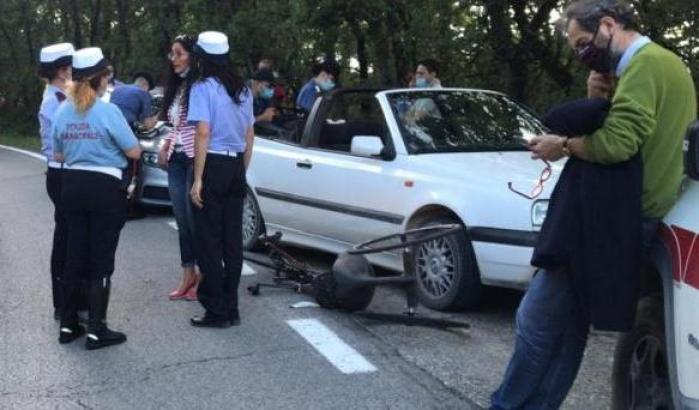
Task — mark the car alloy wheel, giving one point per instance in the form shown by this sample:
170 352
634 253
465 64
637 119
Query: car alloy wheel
435 267
252 223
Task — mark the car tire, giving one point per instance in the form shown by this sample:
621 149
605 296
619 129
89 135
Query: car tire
253 224
453 282
640 378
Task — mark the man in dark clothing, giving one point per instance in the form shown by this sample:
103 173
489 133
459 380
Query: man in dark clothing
261 85
592 230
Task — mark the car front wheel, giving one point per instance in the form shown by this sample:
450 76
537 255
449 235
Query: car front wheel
253 226
640 379
445 269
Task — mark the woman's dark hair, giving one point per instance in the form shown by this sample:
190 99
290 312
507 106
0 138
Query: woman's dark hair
50 72
173 81
225 73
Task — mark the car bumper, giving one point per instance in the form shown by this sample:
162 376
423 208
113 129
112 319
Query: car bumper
504 256
153 189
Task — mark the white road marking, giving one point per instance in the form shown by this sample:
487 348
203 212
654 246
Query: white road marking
247 270
304 304
25 152
326 342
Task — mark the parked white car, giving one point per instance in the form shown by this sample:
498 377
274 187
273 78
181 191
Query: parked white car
370 163
656 365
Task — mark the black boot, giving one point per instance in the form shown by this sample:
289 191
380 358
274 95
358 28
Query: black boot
70 333
68 311
98 334
70 329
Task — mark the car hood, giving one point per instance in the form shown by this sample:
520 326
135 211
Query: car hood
489 170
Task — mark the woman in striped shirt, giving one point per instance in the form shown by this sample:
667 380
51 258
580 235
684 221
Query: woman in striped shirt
177 155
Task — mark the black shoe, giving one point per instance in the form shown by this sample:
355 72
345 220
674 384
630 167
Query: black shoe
207 321
69 333
234 321
104 338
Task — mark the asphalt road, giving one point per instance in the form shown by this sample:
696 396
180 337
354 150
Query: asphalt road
279 358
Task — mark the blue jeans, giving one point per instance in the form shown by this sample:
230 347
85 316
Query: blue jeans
551 339
180 174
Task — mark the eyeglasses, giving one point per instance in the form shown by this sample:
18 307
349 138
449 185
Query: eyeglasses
539 187
582 48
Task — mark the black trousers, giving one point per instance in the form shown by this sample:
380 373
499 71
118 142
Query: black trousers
94 206
54 177
219 235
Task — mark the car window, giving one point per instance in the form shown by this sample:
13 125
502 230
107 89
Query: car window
349 115
462 121
286 128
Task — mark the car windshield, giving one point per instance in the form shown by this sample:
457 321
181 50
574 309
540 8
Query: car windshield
433 121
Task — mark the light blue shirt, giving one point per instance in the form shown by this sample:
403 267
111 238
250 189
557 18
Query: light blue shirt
49 105
629 53
98 137
307 95
229 122
134 102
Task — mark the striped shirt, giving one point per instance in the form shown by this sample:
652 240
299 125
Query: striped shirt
181 131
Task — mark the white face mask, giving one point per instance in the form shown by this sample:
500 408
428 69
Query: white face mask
184 73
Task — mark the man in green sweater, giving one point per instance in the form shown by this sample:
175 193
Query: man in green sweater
653 104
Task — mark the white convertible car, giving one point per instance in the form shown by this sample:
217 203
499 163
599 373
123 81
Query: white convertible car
368 163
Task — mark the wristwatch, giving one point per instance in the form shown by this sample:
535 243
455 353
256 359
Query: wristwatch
564 148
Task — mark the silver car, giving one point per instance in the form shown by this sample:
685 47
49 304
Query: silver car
152 185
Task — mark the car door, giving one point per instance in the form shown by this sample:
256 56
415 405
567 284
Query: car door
277 176
349 198
680 234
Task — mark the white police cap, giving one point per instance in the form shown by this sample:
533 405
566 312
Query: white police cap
213 43
54 52
87 62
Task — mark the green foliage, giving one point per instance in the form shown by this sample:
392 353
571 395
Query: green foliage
506 45
30 143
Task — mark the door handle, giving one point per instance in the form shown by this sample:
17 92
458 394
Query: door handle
304 164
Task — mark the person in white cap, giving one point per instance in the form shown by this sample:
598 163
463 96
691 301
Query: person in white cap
221 106
55 63
92 137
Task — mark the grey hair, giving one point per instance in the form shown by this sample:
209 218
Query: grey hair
588 13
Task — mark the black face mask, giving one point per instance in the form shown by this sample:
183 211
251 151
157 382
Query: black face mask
598 59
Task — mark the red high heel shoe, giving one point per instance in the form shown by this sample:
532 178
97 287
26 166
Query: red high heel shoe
181 293
191 294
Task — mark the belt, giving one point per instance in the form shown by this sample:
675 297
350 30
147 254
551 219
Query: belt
224 152
113 171
58 165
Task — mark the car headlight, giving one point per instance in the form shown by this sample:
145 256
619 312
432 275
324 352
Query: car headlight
146 144
150 158
539 210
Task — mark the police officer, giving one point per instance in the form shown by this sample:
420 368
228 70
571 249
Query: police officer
221 106
93 139
55 67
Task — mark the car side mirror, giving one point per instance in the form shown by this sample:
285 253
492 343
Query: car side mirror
366 146
691 157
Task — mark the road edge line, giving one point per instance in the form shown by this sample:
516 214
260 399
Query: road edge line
24 152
